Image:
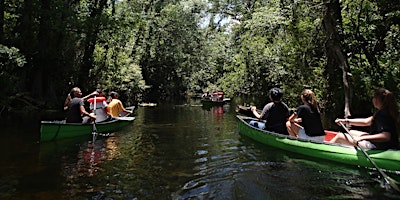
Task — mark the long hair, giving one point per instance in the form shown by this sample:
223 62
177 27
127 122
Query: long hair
73 92
388 101
309 97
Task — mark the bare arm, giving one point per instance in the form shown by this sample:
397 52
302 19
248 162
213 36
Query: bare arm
83 112
380 137
89 95
356 121
123 108
127 111
66 102
294 118
255 113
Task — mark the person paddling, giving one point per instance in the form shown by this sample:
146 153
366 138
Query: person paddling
274 113
115 107
383 124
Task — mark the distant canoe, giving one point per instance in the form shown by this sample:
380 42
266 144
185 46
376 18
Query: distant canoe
196 95
208 102
59 129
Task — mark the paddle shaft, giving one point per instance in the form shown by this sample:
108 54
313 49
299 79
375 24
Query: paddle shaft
94 134
94 131
387 179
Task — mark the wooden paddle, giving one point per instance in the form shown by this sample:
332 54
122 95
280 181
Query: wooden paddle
393 183
130 108
246 110
94 135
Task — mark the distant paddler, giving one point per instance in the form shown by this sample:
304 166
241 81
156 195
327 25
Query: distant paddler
115 108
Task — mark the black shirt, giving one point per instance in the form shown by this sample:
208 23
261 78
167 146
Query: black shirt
383 122
311 120
74 111
275 114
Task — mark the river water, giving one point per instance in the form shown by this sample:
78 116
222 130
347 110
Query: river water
172 152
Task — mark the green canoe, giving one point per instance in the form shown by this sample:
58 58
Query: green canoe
385 159
54 130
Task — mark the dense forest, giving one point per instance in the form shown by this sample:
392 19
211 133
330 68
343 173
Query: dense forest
152 50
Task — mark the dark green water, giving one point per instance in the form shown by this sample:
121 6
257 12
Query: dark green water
172 152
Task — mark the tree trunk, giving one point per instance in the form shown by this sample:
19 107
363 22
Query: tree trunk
2 21
336 58
93 24
42 64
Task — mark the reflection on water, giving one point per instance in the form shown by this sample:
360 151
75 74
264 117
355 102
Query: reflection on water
177 152
95 152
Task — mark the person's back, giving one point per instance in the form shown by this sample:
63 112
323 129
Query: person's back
311 120
277 116
275 113
101 106
115 107
74 112
306 121
76 108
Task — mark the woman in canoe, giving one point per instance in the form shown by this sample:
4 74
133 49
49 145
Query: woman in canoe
306 121
76 108
383 125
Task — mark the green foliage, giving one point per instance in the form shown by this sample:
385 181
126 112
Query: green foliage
193 45
115 70
371 32
11 64
276 45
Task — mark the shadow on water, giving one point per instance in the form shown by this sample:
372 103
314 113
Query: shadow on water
173 151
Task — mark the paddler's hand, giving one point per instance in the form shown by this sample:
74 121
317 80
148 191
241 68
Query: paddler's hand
346 122
338 121
355 142
343 121
298 120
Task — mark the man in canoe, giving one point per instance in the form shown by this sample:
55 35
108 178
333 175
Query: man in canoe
76 110
274 113
306 121
115 107
383 124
